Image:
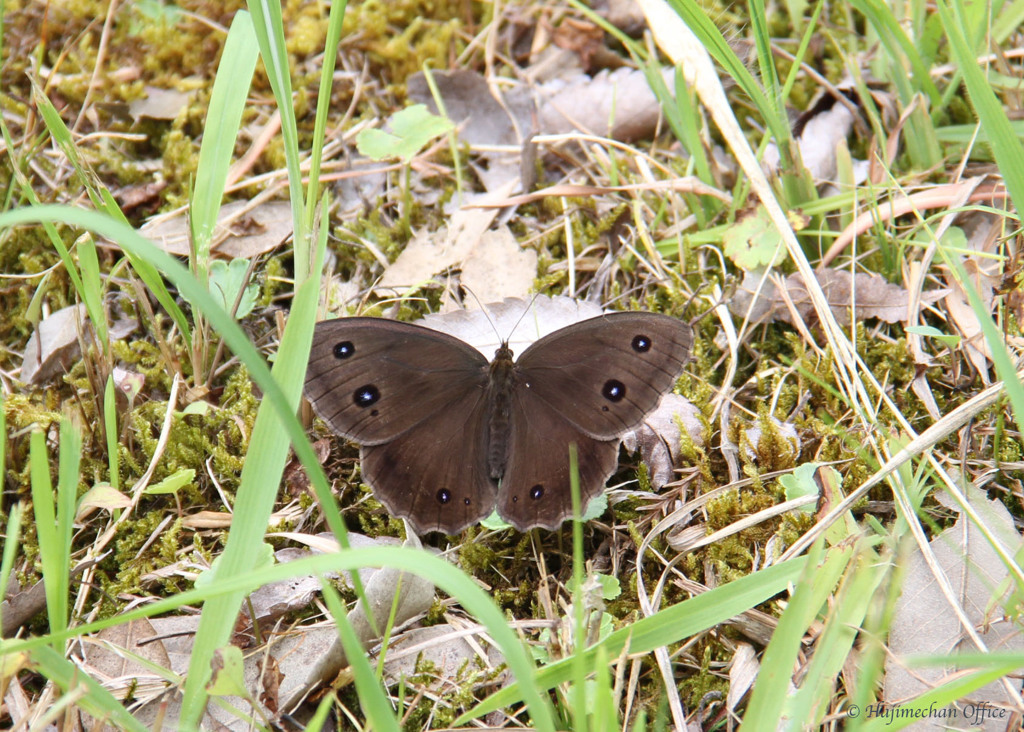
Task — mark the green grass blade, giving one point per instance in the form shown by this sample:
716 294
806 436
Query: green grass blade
110 428
103 201
372 699
835 643
10 545
718 47
51 556
227 102
67 498
269 27
666 627
323 104
1006 147
92 290
768 700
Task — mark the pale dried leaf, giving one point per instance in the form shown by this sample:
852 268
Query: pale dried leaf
431 252
498 267
108 658
742 673
165 104
983 274
618 104
822 130
103 496
868 295
416 596
517 320
449 652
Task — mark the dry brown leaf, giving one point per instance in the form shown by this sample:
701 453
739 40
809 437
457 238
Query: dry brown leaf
979 232
239 232
444 647
924 623
870 295
55 345
108 657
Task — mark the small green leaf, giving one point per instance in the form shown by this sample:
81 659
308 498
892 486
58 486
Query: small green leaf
754 242
494 522
596 508
411 130
946 339
610 586
172 483
197 407
226 280
801 483
228 673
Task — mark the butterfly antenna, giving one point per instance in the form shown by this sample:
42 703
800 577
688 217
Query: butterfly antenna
486 311
520 320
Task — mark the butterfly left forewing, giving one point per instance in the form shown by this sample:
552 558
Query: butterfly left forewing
372 379
604 374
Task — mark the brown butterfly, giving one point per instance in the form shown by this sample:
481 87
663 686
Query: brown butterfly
448 437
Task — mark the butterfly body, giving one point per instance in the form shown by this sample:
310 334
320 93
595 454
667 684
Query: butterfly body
446 436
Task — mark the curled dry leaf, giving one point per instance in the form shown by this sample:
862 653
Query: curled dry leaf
55 345
658 438
869 295
821 132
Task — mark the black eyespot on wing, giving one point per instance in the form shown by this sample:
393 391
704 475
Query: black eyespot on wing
444 496
343 350
613 390
537 492
366 395
642 343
